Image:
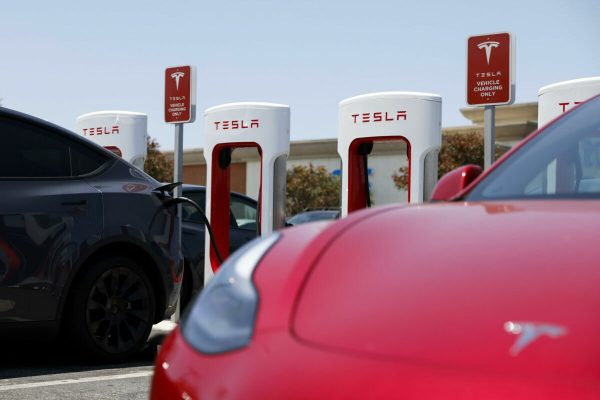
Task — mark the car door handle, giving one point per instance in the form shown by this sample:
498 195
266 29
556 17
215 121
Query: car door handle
74 203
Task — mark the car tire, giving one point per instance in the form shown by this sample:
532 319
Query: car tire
112 309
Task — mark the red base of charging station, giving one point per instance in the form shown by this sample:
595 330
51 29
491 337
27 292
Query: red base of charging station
220 203
357 173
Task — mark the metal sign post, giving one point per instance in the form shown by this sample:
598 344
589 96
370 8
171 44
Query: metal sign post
489 136
490 81
178 163
180 108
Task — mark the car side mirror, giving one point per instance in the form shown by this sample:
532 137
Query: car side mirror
455 182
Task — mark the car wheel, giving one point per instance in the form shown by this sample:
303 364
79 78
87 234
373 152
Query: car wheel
112 309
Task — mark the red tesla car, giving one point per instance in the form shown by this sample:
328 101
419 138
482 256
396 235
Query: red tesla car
494 294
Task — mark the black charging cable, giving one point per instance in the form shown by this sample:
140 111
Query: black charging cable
182 200
213 242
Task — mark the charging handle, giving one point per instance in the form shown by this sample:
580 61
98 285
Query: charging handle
180 200
225 157
364 149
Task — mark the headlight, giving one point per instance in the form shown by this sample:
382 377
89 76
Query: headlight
222 318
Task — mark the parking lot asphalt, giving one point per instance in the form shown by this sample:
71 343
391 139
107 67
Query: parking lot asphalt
48 371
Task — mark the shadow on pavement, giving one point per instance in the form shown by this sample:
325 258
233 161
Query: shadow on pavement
19 358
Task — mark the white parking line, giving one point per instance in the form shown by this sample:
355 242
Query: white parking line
77 380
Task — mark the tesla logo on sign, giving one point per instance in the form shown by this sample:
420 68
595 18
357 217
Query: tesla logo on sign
490 79
488 46
529 332
177 76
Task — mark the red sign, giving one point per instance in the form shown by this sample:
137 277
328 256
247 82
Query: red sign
178 94
490 78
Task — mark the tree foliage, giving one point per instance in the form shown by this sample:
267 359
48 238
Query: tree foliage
157 165
311 187
457 149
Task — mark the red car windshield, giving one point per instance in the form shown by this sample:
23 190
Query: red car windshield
562 162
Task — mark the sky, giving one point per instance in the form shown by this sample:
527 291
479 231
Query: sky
62 59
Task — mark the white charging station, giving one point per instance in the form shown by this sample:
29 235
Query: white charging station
122 132
415 118
264 126
555 99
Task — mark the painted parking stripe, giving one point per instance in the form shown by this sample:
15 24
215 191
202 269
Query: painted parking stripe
75 381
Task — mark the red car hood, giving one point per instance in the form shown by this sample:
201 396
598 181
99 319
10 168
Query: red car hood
451 284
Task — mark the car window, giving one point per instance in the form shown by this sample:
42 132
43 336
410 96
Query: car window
244 213
85 160
190 213
28 151
563 161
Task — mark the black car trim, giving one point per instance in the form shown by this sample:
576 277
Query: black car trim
98 171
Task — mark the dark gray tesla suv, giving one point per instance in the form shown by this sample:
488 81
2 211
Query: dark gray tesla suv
88 243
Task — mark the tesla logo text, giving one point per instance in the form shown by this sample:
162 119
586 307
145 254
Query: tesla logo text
531 331
177 76
488 74
379 116
564 105
488 46
236 124
101 130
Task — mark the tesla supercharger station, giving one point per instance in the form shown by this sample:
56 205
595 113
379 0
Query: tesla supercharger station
559 97
264 126
122 132
414 118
